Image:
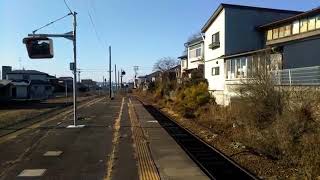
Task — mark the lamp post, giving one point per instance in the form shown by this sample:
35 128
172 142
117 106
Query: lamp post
71 36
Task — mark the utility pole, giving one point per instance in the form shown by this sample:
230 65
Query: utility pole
110 83
119 80
102 81
73 37
75 68
79 75
115 76
136 69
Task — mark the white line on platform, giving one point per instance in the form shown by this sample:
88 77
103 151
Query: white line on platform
75 126
52 153
152 121
32 173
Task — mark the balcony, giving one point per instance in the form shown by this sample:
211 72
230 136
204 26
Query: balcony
214 45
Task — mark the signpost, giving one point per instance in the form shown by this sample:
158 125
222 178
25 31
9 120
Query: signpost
40 46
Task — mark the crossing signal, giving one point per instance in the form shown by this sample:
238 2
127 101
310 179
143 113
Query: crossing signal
39 47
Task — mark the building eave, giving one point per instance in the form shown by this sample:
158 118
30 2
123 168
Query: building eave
246 53
223 6
290 19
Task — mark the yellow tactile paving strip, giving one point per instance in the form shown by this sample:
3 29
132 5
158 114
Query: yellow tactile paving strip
146 167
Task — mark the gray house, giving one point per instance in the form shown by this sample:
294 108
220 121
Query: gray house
29 84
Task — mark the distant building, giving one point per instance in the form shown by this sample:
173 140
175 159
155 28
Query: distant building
28 84
5 89
89 83
63 84
5 70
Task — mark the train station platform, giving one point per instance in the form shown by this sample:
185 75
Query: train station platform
170 161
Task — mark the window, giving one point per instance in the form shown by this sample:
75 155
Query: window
318 22
198 52
295 27
304 25
228 69
215 71
182 63
215 41
195 51
239 68
243 67
269 35
287 30
275 33
312 24
233 68
249 67
282 31
216 38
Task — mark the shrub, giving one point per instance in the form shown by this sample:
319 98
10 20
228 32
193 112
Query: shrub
281 123
189 99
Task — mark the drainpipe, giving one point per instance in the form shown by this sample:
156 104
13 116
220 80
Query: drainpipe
203 49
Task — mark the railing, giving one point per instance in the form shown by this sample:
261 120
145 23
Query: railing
308 76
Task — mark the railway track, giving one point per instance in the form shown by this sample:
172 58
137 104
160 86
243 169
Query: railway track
213 162
42 118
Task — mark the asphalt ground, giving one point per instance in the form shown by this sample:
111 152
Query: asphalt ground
86 153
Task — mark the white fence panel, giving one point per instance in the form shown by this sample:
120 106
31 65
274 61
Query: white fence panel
308 76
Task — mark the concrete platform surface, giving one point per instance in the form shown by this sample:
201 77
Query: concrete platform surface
171 160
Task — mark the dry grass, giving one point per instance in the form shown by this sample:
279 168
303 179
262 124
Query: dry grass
12 115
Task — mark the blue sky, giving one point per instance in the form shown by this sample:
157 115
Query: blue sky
140 31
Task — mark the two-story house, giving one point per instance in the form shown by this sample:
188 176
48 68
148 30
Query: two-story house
193 57
232 29
30 84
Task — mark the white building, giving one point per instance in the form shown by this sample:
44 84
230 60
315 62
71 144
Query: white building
193 57
232 29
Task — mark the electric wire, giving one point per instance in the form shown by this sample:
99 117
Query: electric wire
67 6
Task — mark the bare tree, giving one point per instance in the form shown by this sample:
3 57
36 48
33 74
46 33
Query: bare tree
165 64
194 36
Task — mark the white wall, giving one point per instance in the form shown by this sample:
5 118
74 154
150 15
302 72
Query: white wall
194 62
216 83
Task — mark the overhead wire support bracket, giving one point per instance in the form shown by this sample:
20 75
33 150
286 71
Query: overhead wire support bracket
33 32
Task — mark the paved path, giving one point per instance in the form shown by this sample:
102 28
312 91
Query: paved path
108 147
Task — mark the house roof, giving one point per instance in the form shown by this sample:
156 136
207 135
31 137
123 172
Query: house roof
194 41
33 72
312 12
183 56
174 68
65 78
156 73
20 83
245 53
4 83
39 82
222 6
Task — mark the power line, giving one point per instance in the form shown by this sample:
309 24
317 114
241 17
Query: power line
67 6
94 28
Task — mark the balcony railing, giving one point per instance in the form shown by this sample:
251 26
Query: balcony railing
308 76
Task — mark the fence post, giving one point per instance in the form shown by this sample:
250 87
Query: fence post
289 77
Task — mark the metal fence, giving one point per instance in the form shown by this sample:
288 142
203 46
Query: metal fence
308 76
